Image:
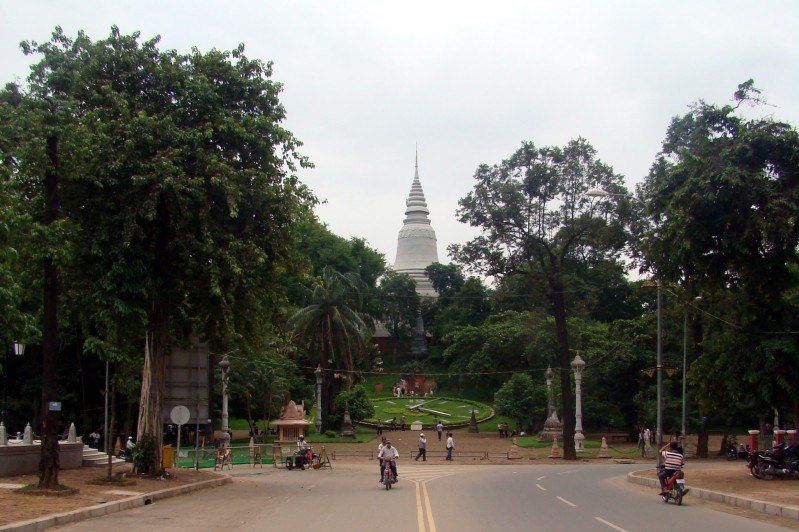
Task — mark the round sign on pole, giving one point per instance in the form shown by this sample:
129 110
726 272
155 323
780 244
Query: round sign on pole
180 415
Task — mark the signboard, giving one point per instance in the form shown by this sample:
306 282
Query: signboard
54 406
188 382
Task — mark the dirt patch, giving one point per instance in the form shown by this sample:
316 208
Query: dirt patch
21 507
734 478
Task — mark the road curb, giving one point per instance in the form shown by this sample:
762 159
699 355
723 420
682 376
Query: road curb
770 508
48 521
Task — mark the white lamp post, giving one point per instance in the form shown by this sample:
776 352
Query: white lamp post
577 365
224 365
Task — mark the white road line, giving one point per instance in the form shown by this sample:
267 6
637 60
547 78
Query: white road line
542 477
566 502
539 486
611 525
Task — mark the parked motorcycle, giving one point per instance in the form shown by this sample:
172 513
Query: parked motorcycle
735 452
388 475
782 461
675 488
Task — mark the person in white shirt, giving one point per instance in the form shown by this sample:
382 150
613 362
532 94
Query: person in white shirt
391 454
422 448
439 429
450 446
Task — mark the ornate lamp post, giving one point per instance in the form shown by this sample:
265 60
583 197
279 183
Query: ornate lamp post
577 366
318 420
224 365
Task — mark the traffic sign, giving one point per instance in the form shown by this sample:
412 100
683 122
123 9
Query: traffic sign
179 415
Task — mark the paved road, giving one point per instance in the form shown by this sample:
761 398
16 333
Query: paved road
434 498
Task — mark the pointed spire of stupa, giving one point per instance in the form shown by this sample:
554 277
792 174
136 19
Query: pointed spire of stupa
416 245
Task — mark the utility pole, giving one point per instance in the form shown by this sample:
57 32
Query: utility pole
659 433
684 366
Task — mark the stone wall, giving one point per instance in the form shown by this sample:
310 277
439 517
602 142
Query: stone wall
18 459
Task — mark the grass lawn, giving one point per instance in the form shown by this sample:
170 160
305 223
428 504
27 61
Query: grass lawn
455 410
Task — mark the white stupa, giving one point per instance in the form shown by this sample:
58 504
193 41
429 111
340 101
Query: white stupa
416 243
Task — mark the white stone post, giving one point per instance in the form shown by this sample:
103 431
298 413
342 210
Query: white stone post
72 437
3 434
318 420
577 365
224 365
27 436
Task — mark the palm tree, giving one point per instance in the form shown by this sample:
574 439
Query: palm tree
332 327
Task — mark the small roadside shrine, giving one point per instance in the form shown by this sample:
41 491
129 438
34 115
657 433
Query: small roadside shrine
292 422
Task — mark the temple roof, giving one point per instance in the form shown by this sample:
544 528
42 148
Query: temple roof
293 414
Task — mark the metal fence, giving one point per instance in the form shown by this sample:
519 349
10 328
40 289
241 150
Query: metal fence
206 457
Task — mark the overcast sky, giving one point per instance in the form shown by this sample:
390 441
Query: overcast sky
365 81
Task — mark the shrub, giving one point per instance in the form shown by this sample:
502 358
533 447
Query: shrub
144 455
359 405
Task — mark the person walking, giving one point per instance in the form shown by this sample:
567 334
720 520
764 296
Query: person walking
450 446
402 423
641 446
439 429
422 448
379 427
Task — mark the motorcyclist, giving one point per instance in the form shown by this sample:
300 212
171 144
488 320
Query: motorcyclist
673 461
391 454
303 450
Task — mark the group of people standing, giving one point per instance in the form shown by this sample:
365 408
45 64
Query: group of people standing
422 443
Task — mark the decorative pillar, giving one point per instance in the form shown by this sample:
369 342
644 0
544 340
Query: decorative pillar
72 436
577 366
791 436
318 420
779 436
224 365
550 396
3 434
753 440
27 436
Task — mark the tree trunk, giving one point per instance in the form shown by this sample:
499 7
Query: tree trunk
152 390
724 439
564 363
48 462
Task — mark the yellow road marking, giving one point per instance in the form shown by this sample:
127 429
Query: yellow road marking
430 520
419 511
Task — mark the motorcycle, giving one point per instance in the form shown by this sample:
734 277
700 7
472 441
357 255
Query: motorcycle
734 452
388 475
675 489
781 461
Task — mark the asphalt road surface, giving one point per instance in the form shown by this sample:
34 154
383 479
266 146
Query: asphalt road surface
429 498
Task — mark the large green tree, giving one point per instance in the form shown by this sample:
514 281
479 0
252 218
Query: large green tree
721 220
178 191
536 221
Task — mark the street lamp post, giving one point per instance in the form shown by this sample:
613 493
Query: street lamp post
577 365
224 365
318 420
18 348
